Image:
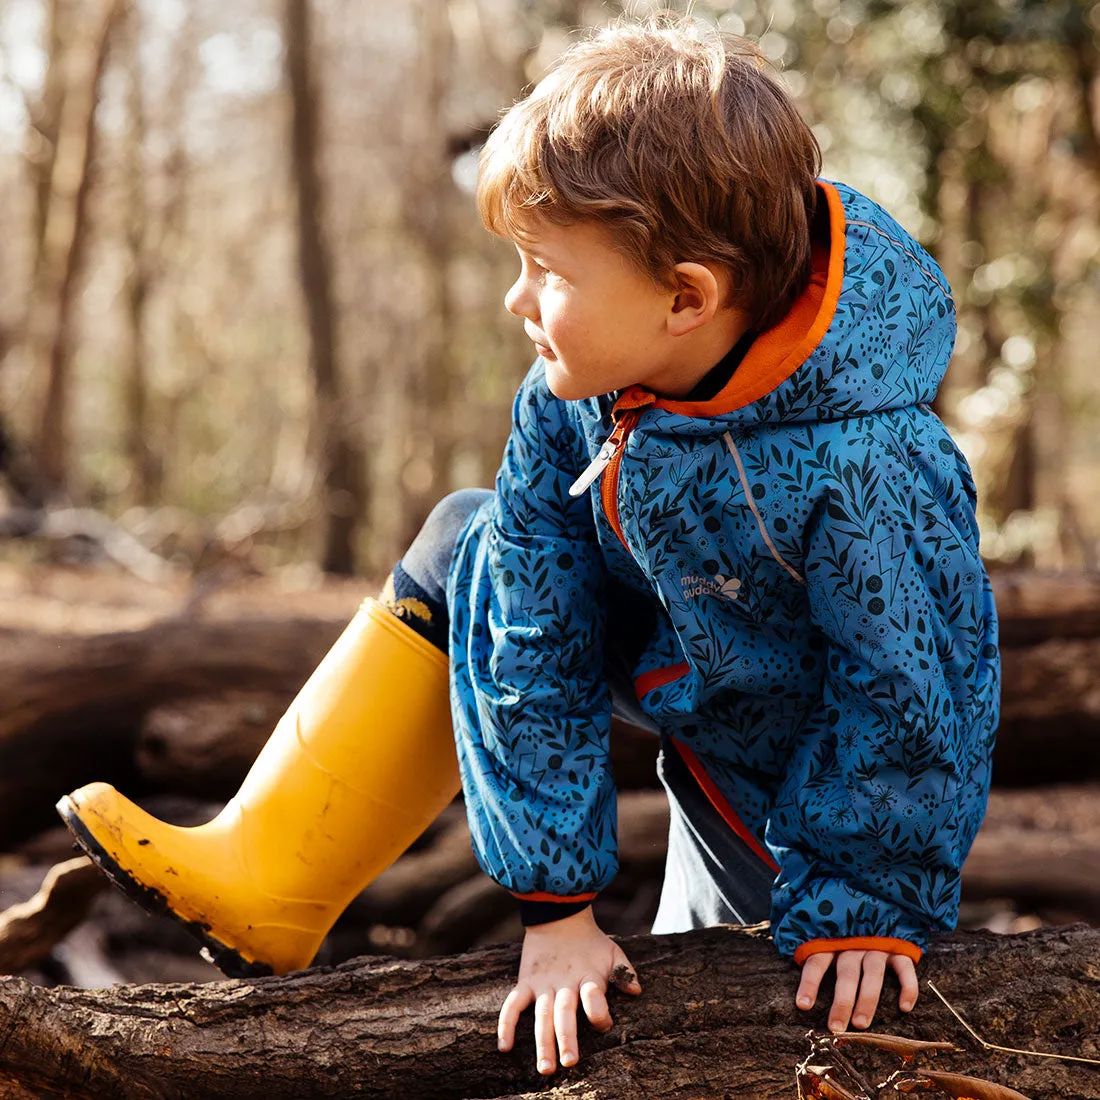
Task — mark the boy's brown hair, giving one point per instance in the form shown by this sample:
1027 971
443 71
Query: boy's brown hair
675 138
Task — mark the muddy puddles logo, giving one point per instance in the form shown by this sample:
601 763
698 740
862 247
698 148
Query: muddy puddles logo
695 585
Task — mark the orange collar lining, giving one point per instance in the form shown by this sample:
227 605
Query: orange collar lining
776 354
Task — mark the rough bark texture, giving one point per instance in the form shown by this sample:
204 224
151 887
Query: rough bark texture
716 1020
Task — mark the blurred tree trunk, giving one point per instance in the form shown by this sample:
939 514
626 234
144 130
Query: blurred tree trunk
44 122
424 402
341 460
64 235
143 465
43 118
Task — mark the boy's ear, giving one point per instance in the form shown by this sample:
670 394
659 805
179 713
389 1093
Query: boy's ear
698 297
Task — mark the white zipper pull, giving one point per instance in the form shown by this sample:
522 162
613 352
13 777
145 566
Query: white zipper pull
595 467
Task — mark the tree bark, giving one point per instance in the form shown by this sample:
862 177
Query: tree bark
44 121
341 462
716 1019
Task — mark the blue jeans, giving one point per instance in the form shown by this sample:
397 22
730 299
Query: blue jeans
711 875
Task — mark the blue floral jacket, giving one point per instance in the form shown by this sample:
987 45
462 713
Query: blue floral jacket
825 656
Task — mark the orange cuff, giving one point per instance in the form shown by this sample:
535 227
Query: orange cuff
553 897
858 943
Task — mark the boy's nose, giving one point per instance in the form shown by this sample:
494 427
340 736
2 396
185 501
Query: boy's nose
519 301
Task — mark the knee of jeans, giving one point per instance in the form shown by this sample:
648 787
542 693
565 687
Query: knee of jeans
445 520
429 556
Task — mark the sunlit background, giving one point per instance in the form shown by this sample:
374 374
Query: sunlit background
156 357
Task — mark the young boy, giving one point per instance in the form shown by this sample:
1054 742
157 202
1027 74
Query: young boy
725 509
757 348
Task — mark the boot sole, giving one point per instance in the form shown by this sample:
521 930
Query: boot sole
227 959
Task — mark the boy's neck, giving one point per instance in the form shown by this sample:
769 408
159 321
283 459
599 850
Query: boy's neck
710 345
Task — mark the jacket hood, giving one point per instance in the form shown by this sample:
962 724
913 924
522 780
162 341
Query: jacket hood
873 330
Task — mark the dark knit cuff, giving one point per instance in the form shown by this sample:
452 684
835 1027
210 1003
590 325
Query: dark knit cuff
545 912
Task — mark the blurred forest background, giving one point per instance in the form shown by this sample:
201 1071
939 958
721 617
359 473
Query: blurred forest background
247 311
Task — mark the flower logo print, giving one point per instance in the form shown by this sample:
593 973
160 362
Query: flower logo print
728 586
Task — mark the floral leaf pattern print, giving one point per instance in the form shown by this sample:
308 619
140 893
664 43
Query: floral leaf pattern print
824 637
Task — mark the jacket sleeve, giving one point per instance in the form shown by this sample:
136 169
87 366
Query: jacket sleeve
530 703
889 783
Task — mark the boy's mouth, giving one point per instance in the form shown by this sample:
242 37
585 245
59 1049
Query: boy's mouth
542 348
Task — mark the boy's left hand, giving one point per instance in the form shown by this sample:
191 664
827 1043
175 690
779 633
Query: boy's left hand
857 972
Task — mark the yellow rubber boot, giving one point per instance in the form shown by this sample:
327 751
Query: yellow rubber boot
357 768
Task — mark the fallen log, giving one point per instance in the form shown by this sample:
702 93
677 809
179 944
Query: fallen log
204 746
1033 607
716 1019
79 708
29 931
1040 850
1037 871
1049 730
73 705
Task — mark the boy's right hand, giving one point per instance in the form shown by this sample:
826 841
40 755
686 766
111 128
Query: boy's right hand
564 963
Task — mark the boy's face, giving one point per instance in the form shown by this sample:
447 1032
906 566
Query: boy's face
599 323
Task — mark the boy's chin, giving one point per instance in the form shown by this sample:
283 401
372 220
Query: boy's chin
567 388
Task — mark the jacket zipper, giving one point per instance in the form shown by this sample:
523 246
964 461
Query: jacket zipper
608 462
609 486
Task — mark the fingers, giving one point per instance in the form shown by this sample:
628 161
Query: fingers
907 976
555 1020
849 966
859 978
556 1004
565 1025
514 1004
874 969
813 970
595 1004
545 1047
623 976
